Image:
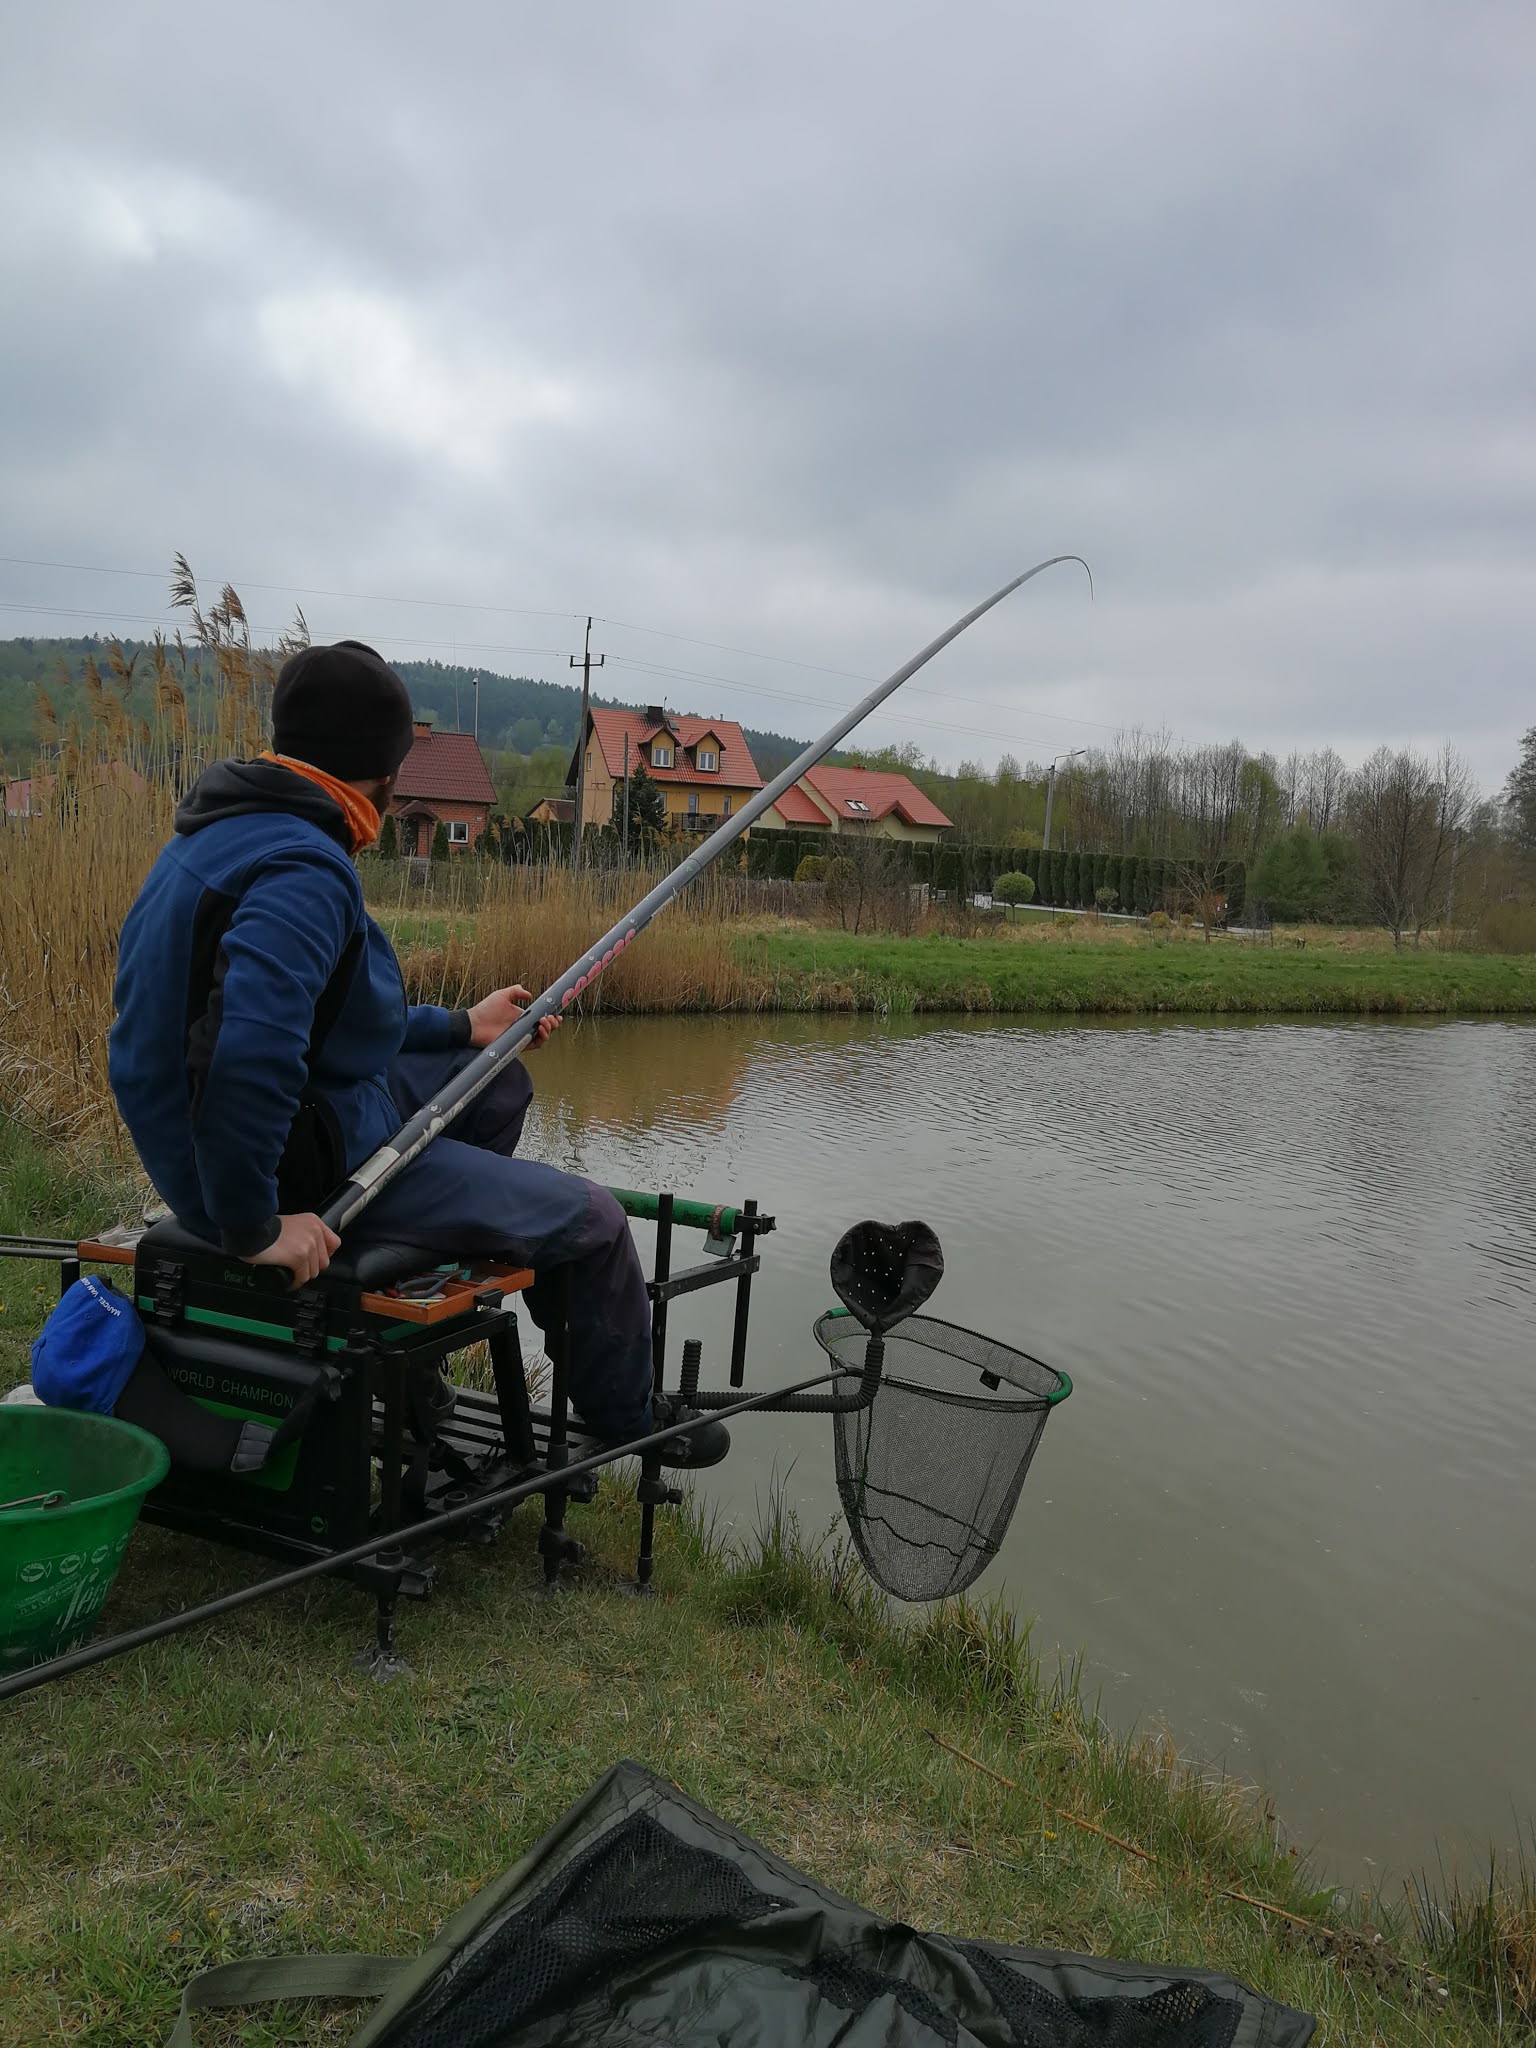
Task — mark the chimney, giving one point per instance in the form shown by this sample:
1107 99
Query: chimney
656 714
424 721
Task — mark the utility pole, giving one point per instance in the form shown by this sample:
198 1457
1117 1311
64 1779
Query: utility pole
1050 794
586 664
475 685
626 799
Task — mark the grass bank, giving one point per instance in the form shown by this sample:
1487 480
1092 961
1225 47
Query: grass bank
242 1790
825 970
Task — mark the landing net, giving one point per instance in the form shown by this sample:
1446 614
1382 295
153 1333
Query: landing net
930 1472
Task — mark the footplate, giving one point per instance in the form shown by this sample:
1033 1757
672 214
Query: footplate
468 1456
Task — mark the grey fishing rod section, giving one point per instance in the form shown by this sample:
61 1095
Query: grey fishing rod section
374 1175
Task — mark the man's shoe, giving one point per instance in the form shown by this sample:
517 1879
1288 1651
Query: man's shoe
704 1445
430 1402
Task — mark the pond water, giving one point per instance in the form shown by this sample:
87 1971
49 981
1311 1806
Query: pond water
1290 1511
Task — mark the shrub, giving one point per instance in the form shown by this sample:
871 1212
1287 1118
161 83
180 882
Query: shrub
784 862
1103 899
389 837
440 841
946 870
812 869
1014 888
1291 876
1158 921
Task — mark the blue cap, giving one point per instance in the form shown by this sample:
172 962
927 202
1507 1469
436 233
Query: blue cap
87 1349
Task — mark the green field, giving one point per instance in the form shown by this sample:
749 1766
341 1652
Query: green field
830 970
242 1790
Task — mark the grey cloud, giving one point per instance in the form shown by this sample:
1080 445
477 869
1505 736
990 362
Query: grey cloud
796 328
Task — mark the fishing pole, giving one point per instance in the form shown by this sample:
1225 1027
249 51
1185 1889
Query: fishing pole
369 1180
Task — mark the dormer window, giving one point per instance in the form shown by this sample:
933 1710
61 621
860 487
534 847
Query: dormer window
708 759
661 756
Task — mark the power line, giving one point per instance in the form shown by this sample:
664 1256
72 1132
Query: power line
524 611
626 661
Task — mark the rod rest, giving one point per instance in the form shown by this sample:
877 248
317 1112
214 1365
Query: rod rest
807 1404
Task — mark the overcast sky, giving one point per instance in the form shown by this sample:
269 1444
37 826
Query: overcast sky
796 329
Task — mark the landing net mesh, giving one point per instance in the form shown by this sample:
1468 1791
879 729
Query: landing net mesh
930 1472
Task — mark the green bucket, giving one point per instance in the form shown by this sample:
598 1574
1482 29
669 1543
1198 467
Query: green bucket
58 1560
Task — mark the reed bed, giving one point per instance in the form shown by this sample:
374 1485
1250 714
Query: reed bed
528 924
67 880
104 791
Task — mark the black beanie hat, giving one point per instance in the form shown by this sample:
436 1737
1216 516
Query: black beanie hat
342 708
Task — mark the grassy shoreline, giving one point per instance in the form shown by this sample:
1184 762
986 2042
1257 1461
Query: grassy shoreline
830 971
242 1790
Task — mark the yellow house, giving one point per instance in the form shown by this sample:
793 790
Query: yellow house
702 766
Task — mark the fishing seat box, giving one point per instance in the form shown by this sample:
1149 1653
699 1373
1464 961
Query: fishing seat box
240 1341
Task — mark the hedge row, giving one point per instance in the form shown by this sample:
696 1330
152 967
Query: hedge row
1068 881
1131 882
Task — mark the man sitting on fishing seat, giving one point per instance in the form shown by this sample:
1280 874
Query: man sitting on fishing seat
263 1047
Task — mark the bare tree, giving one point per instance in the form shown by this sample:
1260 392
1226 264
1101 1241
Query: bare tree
1324 781
1407 813
866 883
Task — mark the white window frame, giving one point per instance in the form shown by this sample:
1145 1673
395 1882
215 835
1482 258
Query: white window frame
709 760
458 831
661 757
857 803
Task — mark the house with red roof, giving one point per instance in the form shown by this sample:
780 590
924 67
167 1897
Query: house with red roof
442 780
857 800
702 766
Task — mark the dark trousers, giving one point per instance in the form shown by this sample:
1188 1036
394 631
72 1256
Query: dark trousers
468 1196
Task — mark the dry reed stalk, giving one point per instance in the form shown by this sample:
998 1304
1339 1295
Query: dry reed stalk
1348 1945
104 790
67 879
531 923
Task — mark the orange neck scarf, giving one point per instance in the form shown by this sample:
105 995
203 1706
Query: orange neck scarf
362 819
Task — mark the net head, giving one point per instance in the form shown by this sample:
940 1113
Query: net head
929 1473
884 1272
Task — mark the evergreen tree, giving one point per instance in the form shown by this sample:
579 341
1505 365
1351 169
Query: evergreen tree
647 804
1520 797
440 841
389 837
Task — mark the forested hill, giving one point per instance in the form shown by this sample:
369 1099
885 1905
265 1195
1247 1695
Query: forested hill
518 714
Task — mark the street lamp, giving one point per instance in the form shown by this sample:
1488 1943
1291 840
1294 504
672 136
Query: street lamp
1050 792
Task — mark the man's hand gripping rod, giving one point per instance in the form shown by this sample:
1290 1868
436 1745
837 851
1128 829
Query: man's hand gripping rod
429 1122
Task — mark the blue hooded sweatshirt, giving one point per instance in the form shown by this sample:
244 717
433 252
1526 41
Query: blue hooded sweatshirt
259 1009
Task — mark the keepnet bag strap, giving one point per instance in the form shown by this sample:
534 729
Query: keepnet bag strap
268 1978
